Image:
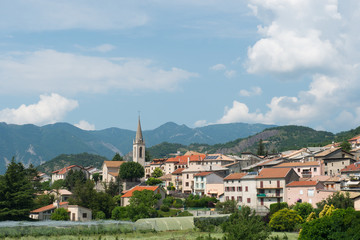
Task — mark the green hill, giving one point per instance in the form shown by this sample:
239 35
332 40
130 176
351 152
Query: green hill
63 160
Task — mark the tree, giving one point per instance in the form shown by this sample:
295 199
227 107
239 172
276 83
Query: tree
153 181
73 177
145 197
227 207
131 170
43 200
16 193
346 146
117 157
261 148
58 184
147 156
303 209
285 220
96 177
157 172
245 225
60 214
338 200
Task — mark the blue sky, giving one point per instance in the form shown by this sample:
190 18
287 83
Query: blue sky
95 64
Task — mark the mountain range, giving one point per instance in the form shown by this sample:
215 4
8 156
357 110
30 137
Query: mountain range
35 145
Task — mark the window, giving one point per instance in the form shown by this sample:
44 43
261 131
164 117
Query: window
249 200
239 199
246 189
301 192
233 189
332 164
187 184
239 189
342 163
310 192
187 176
232 198
298 169
84 215
325 173
326 164
227 198
269 182
315 169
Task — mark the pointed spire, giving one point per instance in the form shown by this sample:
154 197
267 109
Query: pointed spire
139 137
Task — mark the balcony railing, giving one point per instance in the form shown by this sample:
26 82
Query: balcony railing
269 195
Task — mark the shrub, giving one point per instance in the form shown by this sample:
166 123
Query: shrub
303 209
285 220
60 214
164 208
208 224
119 213
185 214
277 206
100 215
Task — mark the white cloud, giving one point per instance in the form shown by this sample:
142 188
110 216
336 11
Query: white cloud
84 125
39 15
218 67
201 123
53 71
230 73
50 109
253 92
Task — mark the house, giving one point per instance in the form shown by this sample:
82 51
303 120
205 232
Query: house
62 173
306 191
43 177
271 183
125 199
330 183
233 187
76 213
353 170
156 163
110 170
355 142
333 160
208 183
217 159
303 154
303 169
184 161
61 195
167 180
176 178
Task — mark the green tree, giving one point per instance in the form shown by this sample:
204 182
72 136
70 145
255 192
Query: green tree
117 157
285 220
227 207
157 173
131 171
43 200
346 146
338 200
60 214
304 209
16 193
96 177
145 197
73 177
261 148
58 184
245 225
153 181
148 157
46 186
100 215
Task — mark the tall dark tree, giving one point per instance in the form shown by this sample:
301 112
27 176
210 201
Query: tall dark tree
346 146
73 177
16 193
131 171
117 157
261 148
147 156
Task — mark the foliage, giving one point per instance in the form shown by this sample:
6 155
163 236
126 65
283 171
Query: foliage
117 200
96 177
163 150
148 157
114 188
74 177
274 207
346 146
145 197
196 201
341 224
261 148
157 172
164 208
303 209
208 224
131 170
245 225
173 202
58 184
170 213
117 157
60 214
327 211
153 181
285 220
119 213
185 214
43 200
226 207
16 193
338 200
46 186
63 160
100 215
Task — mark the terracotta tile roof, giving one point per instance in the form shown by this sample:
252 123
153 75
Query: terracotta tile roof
355 167
48 207
65 169
354 138
297 164
185 158
302 183
113 164
202 174
115 174
165 177
178 171
320 178
274 172
129 193
327 152
235 176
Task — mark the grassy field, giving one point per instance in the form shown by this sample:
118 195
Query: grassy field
173 235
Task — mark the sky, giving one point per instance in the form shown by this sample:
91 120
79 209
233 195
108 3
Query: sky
101 64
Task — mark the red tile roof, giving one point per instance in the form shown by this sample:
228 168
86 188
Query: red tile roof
202 174
185 158
274 172
235 176
65 169
354 138
129 193
297 164
302 183
178 171
48 207
355 167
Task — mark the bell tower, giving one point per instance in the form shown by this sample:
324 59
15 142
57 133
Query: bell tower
139 146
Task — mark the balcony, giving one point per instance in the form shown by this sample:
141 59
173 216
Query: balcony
269 187
269 195
306 174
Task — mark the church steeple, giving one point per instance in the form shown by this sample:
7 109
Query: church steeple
139 146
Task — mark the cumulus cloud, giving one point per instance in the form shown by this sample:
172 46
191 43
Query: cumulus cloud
313 39
218 67
253 92
104 48
50 71
201 123
221 67
84 125
50 109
